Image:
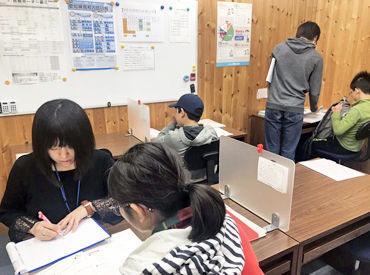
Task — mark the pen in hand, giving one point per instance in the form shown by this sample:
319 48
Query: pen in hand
43 217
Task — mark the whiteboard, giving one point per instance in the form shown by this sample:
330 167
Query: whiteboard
95 88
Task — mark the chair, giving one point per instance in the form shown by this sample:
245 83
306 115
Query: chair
359 251
362 133
202 162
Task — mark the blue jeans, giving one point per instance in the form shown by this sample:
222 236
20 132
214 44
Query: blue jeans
282 132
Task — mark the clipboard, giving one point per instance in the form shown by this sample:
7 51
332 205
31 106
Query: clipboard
31 255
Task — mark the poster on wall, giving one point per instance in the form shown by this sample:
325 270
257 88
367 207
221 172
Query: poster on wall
140 22
234 24
31 44
92 35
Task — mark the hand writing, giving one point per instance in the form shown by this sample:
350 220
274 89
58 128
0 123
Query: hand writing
45 231
71 221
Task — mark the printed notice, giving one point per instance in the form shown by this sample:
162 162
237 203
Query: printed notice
179 25
234 24
137 57
31 44
140 22
92 35
273 174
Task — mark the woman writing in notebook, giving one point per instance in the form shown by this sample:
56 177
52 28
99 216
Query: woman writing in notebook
190 231
64 177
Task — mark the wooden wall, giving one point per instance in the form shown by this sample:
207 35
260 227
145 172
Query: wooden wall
230 93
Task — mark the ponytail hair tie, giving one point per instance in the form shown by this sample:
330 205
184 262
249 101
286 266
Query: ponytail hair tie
186 187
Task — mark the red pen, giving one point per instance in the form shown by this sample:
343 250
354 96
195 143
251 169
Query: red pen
43 217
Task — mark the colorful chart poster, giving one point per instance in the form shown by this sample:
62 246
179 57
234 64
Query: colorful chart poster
234 23
141 22
31 44
92 35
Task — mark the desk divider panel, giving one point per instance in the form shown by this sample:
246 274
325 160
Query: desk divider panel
138 120
239 166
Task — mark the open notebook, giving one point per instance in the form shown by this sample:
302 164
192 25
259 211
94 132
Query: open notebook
31 255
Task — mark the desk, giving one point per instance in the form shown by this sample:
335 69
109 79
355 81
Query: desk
258 130
276 252
117 143
326 213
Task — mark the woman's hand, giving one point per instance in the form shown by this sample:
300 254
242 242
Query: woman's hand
71 221
45 231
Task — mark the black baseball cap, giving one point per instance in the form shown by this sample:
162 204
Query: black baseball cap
191 103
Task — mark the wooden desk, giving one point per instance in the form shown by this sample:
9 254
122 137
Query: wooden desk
326 213
258 131
117 143
276 252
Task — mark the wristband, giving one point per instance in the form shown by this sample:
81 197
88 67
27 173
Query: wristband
88 206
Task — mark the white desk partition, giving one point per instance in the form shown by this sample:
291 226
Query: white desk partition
244 170
138 119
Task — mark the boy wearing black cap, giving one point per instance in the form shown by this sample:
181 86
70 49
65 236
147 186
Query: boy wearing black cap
184 131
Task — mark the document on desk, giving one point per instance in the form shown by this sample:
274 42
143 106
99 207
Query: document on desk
253 231
31 255
210 122
104 258
332 169
221 132
310 117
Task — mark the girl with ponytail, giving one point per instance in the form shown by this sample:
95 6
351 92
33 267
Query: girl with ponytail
191 232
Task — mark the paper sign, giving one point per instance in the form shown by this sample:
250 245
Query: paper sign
273 174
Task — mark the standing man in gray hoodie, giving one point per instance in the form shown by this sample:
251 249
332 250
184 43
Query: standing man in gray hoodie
298 70
184 131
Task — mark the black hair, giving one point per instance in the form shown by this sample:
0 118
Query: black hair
308 30
190 116
361 81
153 175
62 122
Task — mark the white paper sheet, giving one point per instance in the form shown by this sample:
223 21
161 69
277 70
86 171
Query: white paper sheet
140 22
105 258
332 169
271 70
137 57
273 174
153 133
31 43
211 123
179 25
220 132
260 231
35 253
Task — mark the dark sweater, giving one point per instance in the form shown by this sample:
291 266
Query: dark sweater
28 191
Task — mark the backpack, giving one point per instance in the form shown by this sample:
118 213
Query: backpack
323 130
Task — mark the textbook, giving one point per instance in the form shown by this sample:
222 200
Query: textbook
31 255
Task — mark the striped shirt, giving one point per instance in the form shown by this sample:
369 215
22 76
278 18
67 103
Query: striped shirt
222 254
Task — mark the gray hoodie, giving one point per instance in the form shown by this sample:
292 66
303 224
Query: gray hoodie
298 70
180 139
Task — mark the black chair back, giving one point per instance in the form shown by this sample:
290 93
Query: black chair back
204 157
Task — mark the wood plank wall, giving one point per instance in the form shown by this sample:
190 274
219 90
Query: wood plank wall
230 93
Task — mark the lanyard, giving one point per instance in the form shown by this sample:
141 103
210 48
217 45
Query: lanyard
62 190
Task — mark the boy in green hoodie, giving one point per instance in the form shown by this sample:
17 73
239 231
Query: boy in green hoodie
345 129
